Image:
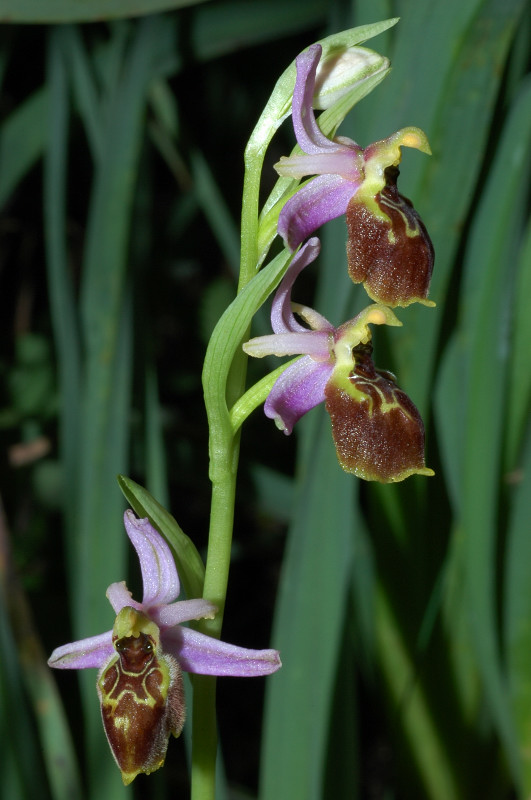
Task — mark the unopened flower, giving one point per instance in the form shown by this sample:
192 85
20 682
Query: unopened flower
377 430
388 249
140 660
343 70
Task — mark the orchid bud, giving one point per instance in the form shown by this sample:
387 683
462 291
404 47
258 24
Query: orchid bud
377 430
141 695
342 70
388 247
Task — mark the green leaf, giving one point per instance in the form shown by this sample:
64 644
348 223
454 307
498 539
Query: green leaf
64 313
309 623
52 11
518 612
84 86
189 563
227 338
20 756
274 492
519 393
412 704
484 308
450 415
22 141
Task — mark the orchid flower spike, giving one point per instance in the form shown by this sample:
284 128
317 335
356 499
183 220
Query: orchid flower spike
378 432
141 659
388 247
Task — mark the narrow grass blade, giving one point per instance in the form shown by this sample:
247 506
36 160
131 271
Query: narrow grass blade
83 84
61 292
309 623
436 772
41 742
203 185
342 776
485 307
22 141
20 748
83 10
450 416
518 613
519 394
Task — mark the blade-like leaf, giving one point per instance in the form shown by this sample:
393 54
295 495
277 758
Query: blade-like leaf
35 11
519 395
518 613
22 141
484 308
309 623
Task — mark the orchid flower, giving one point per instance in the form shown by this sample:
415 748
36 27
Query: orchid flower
388 247
378 432
140 660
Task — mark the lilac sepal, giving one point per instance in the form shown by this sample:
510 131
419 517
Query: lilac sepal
204 655
309 136
159 575
91 652
282 319
300 388
320 200
338 163
312 343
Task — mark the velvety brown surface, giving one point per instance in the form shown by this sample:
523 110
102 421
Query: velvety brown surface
396 272
140 705
380 437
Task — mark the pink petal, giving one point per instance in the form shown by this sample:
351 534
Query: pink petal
318 201
183 610
312 343
300 388
346 161
159 575
207 656
315 320
119 596
92 652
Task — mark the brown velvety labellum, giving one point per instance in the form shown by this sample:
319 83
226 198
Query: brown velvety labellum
393 258
380 436
142 702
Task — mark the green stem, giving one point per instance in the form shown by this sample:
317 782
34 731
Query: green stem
222 391
224 456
